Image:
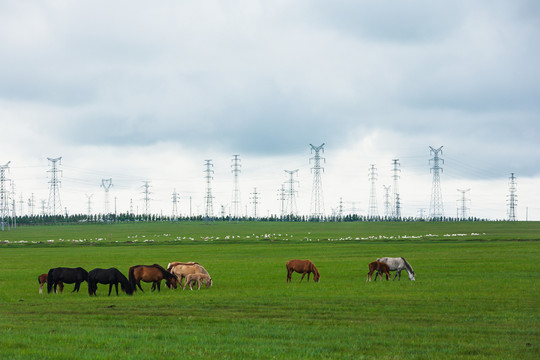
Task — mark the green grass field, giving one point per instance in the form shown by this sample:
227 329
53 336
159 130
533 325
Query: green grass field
475 295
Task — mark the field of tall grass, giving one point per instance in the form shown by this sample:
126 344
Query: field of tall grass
475 294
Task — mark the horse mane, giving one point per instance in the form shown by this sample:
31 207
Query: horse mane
313 267
408 266
159 267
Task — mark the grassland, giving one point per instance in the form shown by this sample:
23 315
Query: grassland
476 294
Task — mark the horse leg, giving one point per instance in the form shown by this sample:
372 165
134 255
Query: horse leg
110 288
41 288
199 283
302 278
159 286
116 287
60 287
397 272
138 283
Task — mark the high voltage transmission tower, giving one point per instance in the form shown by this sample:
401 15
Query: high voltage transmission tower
146 197
4 196
512 197
54 206
255 201
89 198
236 190
317 202
462 208
31 204
373 209
282 197
106 185
436 210
387 203
291 192
396 208
175 198
209 208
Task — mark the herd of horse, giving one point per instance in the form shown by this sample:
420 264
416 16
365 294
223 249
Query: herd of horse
176 273
186 274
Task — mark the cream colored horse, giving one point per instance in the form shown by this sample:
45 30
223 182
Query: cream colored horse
183 269
199 279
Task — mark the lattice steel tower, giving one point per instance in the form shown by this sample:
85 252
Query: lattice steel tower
317 202
89 197
396 208
255 201
146 197
436 210
209 207
291 192
512 198
373 208
175 198
462 208
236 190
4 196
54 206
106 185
282 197
387 204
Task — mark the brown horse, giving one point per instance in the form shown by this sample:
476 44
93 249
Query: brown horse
303 267
183 269
42 279
380 267
149 273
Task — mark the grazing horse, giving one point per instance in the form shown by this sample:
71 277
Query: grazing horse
111 276
380 267
199 279
149 273
66 276
303 267
399 264
42 279
183 269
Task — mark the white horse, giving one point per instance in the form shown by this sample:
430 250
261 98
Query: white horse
398 264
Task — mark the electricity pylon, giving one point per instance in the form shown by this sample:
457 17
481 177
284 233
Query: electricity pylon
512 198
317 202
436 210
462 209
396 208
209 207
106 185
4 196
54 206
291 192
373 209
236 190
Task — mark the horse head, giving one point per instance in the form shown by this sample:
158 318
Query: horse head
172 282
208 282
411 276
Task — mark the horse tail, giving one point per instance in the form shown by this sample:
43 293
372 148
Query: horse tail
49 281
131 275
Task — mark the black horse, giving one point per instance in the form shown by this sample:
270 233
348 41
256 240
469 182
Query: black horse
111 276
67 276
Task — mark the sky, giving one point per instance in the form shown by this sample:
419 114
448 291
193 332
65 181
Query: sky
142 91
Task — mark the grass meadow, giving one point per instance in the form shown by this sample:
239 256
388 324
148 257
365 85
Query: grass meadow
476 294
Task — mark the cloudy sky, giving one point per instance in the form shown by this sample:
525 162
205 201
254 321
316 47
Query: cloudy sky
147 91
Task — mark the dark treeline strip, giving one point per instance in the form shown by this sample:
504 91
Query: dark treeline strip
26 220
